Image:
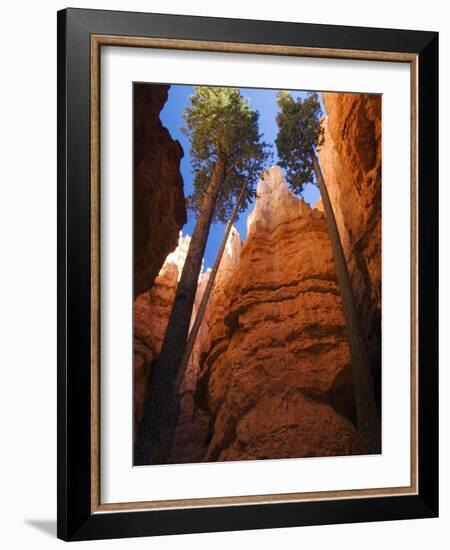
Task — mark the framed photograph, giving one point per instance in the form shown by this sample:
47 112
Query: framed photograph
247 256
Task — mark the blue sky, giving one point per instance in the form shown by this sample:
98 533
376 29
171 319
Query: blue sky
171 116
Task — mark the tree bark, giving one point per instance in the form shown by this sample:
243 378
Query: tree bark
209 285
366 412
171 429
160 405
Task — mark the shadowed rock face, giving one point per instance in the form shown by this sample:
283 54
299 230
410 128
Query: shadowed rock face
277 343
351 164
159 213
159 204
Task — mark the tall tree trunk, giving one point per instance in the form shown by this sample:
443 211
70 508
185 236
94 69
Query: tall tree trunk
209 285
160 405
170 432
366 412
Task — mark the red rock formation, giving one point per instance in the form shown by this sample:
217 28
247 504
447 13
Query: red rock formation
159 213
151 315
351 163
270 375
159 204
277 344
193 424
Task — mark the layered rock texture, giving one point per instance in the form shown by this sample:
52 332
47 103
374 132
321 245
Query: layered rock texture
159 203
151 315
275 374
151 312
351 163
193 423
270 373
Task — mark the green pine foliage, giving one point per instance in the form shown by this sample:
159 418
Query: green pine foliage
299 133
221 121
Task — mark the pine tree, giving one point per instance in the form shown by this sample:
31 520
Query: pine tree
210 285
300 134
226 148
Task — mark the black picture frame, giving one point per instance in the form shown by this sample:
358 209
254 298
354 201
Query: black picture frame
75 518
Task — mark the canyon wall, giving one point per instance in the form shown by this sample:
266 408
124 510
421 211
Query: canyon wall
351 163
275 374
159 212
151 311
158 198
151 315
193 423
270 373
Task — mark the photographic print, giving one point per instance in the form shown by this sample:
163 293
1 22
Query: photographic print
247 320
257 273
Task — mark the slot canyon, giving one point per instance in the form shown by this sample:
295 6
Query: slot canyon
270 374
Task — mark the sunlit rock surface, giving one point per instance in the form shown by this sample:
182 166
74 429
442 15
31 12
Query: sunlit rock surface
151 315
277 347
351 164
193 429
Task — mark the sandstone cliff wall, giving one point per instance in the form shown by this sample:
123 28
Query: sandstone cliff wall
270 374
351 163
159 212
151 312
159 204
275 375
151 315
